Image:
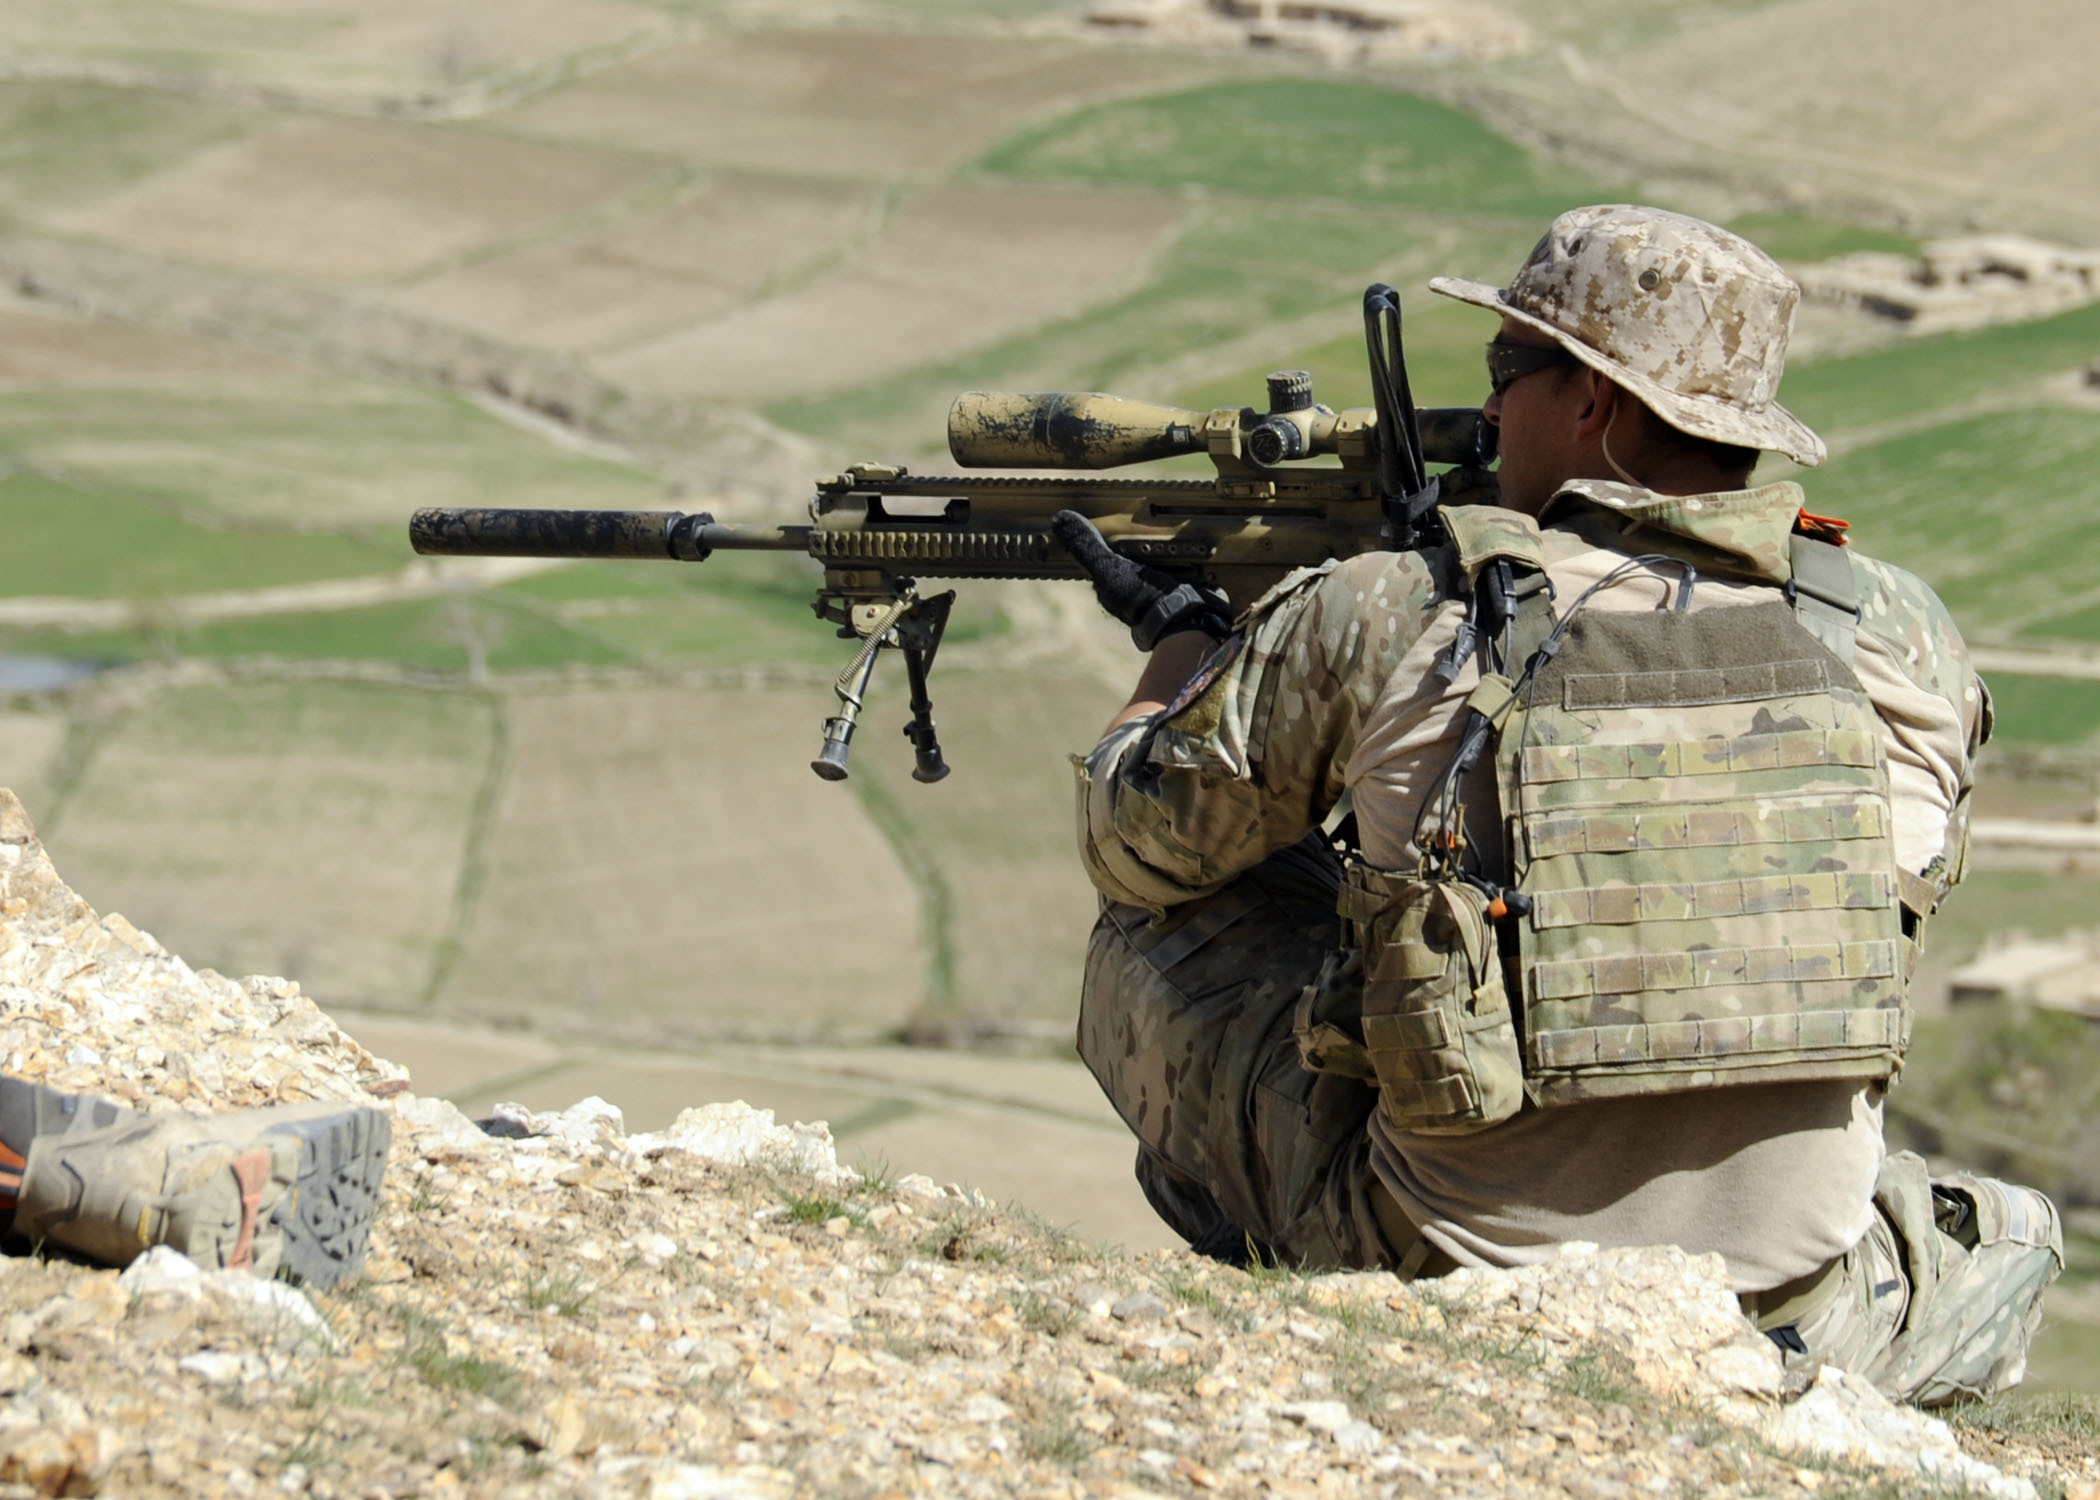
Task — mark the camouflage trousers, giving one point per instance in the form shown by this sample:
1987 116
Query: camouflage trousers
1942 1297
1186 1022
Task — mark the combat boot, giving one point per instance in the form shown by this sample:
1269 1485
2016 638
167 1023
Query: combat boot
292 1188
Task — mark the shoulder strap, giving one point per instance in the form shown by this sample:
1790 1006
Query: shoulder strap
1825 595
1484 532
1501 561
1531 621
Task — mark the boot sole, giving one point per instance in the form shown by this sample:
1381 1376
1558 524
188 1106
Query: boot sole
324 1220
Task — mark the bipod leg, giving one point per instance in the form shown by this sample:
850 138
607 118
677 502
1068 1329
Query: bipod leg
852 690
919 635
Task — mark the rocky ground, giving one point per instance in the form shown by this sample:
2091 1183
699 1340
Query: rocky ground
720 1310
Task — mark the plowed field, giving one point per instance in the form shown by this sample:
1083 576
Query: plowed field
733 239
39 350
960 267
343 48
312 829
338 198
839 104
663 862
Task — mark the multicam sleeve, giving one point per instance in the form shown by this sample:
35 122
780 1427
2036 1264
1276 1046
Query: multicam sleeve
1249 757
1936 744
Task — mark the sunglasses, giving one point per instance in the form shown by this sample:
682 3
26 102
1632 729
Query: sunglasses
1509 363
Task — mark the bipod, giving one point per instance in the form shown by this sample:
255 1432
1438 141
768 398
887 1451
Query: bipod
900 618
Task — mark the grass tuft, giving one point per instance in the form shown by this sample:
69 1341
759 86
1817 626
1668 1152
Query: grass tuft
821 1208
566 1296
1053 1435
2058 1416
426 1352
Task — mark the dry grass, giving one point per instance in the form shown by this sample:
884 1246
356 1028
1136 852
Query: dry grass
732 239
353 199
342 48
40 349
663 862
960 267
1957 108
310 829
999 832
840 104
30 745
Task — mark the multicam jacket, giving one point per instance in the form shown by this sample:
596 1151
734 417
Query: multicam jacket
1330 688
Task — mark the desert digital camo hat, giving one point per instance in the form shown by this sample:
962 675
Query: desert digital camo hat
1691 319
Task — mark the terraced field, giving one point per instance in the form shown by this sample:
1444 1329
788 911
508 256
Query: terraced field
654 863
305 828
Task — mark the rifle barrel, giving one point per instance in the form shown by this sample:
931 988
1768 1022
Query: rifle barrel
657 534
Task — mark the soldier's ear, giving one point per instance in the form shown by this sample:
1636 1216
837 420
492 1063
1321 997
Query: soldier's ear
1600 402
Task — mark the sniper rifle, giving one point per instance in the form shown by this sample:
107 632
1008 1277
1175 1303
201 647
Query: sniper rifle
877 529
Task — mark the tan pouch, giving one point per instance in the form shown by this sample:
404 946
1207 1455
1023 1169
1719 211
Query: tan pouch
1436 1020
1329 1019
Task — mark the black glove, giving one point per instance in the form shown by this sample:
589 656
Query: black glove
1151 601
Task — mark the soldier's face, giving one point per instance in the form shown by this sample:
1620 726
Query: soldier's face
1538 415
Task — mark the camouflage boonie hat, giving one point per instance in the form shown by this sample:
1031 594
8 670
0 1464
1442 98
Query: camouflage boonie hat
1691 319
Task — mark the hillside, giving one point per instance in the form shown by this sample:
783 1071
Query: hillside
720 1310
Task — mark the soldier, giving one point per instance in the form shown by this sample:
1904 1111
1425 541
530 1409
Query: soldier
289 1190
1652 785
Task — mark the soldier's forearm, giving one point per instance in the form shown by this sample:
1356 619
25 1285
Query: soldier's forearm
1167 671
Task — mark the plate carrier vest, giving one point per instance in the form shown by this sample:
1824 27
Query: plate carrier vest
1697 834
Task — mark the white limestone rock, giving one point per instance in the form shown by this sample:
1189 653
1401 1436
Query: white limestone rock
1842 1416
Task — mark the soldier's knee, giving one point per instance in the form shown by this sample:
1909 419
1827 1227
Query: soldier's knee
1942 1298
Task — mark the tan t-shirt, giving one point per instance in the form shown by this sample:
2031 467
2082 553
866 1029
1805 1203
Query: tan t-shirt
1334 690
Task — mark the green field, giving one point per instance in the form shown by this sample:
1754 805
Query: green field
2013 1090
1293 139
66 142
1301 194
302 452
992 844
1917 381
2032 901
1301 191
1994 511
67 539
2045 710
1444 337
1238 268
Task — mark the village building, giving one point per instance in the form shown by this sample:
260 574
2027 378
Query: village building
2059 973
1962 282
1338 32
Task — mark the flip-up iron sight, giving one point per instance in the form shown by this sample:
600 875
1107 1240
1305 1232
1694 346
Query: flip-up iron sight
1292 486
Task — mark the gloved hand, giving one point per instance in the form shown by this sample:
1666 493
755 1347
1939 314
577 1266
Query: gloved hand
1151 601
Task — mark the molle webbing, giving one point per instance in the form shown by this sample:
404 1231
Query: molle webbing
1580 978
1703 1041
1701 822
1702 827
1677 759
1619 904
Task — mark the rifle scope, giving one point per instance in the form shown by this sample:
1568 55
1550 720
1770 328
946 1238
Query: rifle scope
1087 430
